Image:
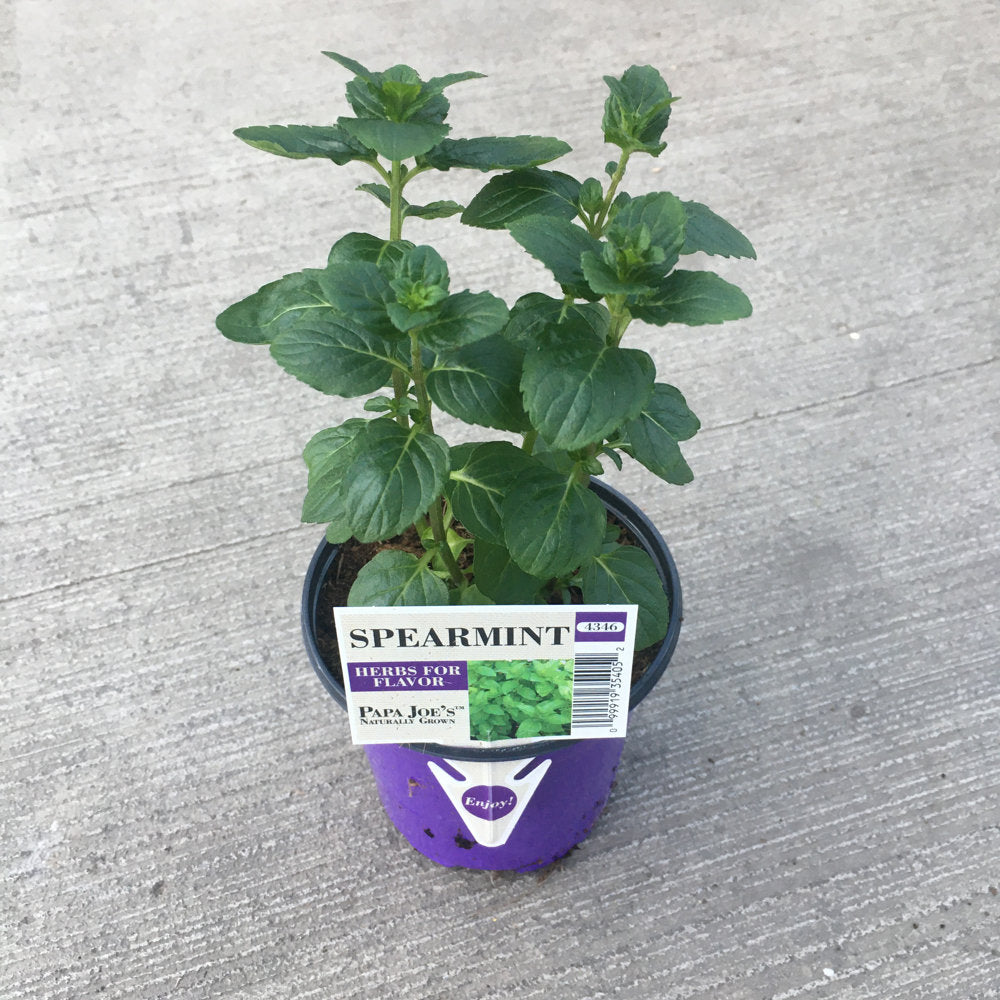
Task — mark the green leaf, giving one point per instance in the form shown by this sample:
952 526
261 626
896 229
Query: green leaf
552 524
398 94
604 279
351 64
495 152
432 210
395 477
356 247
394 140
500 578
481 475
579 394
694 298
471 595
462 319
665 217
627 575
335 357
420 285
520 194
637 110
395 578
652 436
480 384
559 245
299 142
379 191
327 456
536 315
710 233
277 306
670 411
397 100
438 83
360 292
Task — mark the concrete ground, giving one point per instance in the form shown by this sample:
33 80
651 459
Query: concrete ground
808 805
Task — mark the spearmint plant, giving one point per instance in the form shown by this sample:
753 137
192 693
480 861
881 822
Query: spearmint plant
380 321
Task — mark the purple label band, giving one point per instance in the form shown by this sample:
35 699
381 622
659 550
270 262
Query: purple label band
406 675
600 626
488 801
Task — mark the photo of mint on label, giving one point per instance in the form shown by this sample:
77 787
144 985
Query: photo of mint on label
517 699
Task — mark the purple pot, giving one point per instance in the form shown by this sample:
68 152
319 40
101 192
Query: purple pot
509 808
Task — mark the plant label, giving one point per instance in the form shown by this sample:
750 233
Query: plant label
485 675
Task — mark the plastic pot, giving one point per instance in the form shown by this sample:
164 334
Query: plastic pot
510 808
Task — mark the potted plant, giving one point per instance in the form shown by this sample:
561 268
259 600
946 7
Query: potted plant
518 517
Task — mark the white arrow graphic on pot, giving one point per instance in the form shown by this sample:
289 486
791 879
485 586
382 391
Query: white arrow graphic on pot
489 798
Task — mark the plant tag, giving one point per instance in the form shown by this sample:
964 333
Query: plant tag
484 675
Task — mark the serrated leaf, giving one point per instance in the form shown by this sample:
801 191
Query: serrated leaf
299 142
327 456
604 280
379 191
637 110
360 292
665 217
432 210
579 394
481 475
552 524
439 83
652 436
463 318
394 578
394 140
495 152
480 384
500 578
398 94
335 357
420 285
627 575
694 298
364 247
558 244
273 308
520 194
394 478
709 233
350 64
536 315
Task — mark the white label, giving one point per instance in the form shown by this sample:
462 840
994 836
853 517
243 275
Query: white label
485 675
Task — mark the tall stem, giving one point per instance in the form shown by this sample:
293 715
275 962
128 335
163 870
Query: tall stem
434 515
400 384
396 201
609 197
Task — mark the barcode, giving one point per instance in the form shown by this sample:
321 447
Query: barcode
592 691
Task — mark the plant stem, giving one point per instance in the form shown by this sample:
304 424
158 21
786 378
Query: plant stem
400 384
434 515
443 548
420 382
396 201
609 197
620 318
528 444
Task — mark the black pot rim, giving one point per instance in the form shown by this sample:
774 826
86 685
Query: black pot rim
626 512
